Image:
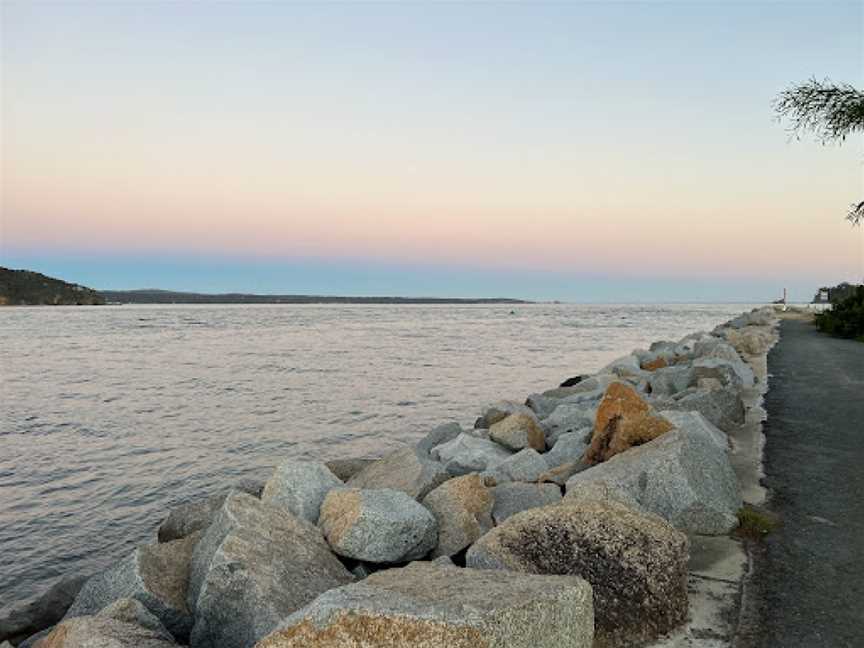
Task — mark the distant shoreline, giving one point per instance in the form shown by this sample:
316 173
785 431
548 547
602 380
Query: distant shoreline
172 297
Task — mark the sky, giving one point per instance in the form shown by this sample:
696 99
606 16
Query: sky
573 151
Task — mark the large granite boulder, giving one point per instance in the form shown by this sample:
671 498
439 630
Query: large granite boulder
628 367
683 477
515 497
636 563
299 487
500 410
463 510
751 341
42 612
345 469
623 420
525 466
156 575
518 431
723 407
695 423
255 565
735 373
438 435
569 447
567 418
542 405
126 623
377 526
431 606
670 380
409 470
468 453
189 517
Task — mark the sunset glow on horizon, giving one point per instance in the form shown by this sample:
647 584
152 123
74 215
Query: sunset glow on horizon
619 142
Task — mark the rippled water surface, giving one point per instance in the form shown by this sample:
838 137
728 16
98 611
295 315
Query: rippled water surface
109 416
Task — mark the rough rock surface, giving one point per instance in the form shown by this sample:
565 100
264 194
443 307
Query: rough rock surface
255 565
467 453
723 407
518 431
408 470
684 478
43 611
156 575
624 420
568 448
671 380
568 418
124 624
378 526
437 436
431 606
735 373
695 423
601 492
516 497
636 563
345 469
186 519
500 410
525 466
463 510
299 487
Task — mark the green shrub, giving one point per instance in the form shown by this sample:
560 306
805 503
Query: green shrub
755 523
846 317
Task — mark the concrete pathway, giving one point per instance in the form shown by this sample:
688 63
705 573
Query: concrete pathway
808 584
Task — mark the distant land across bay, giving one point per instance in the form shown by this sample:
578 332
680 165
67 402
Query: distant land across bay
28 288
154 296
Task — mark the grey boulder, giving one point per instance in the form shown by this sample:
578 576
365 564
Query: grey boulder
525 466
670 380
408 469
499 410
463 511
255 565
684 478
518 431
156 575
43 611
126 623
377 526
189 517
467 453
345 469
431 606
568 418
438 435
569 447
636 564
722 407
299 487
695 423
515 497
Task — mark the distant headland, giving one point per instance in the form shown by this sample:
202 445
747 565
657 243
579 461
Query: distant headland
26 288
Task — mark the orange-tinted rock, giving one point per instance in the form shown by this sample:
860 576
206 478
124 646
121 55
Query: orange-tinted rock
652 365
623 420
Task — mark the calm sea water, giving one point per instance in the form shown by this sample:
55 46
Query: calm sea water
109 416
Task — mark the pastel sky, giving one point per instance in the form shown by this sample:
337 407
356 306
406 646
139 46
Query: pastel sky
573 151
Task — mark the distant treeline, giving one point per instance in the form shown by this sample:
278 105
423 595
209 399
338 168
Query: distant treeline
26 288
171 297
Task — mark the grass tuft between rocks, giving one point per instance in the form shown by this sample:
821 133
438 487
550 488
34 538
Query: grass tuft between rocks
755 523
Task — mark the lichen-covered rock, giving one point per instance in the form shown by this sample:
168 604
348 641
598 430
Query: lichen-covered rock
569 447
525 466
156 575
255 565
345 469
500 410
124 624
636 563
408 470
515 497
463 510
467 453
518 431
43 611
299 487
623 420
430 606
378 526
683 477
